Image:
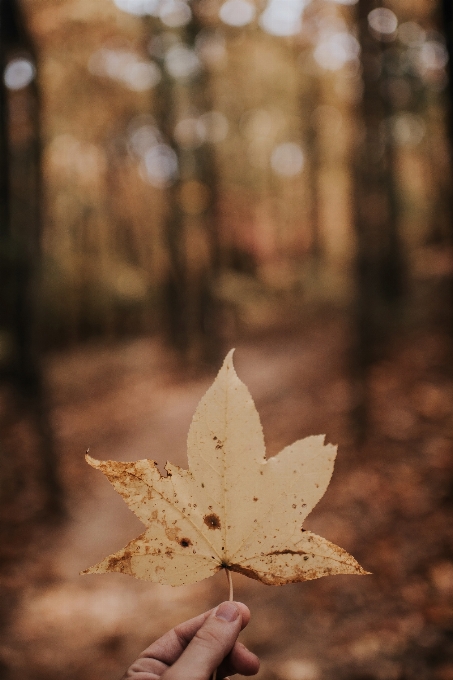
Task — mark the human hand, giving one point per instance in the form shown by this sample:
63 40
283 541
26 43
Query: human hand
194 649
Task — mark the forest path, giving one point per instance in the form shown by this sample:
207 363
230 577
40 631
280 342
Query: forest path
389 504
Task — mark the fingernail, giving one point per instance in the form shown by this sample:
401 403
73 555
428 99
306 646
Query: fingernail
227 611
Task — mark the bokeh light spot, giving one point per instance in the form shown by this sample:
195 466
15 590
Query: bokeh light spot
143 138
211 48
287 159
160 166
175 13
237 12
212 127
283 17
181 62
141 76
408 129
432 56
186 133
126 67
138 7
18 74
411 34
335 50
71 156
383 22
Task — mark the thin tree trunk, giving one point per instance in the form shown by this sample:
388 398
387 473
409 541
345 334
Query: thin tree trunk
379 259
190 307
447 21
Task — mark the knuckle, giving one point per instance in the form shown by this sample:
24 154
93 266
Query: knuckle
144 667
181 638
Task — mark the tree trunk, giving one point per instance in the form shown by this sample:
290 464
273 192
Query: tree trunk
29 484
190 306
379 259
447 21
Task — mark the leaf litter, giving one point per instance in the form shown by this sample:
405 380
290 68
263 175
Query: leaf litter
396 625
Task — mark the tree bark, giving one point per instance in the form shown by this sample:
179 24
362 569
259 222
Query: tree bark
380 267
28 471
190 307
447 21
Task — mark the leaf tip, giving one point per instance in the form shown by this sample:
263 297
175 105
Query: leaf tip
227 368
360 571
86 571
228 363
92 461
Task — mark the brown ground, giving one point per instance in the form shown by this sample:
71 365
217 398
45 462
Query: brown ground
389 504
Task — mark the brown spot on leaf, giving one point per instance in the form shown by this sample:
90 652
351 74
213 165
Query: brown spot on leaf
185 542
255 498
287 552
271 579
245 571
121 564
172 534
212 521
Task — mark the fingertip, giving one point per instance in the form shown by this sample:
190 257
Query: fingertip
243 661
245 613
253 670
227 611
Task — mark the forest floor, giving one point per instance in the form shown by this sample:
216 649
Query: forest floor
390 504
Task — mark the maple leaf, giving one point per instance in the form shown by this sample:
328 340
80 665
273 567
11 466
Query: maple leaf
232 508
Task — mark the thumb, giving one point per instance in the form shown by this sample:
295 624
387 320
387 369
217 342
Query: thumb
210 645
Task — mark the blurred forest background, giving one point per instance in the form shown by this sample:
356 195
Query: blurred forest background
179 177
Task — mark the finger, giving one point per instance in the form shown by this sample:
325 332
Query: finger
209 646
170 646
240 660
144 668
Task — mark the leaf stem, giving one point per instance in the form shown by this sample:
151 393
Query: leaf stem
230 583
230 599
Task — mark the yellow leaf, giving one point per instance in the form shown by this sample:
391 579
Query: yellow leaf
232 508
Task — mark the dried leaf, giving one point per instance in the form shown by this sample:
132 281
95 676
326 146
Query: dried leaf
232 508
